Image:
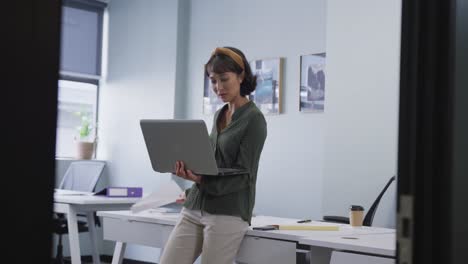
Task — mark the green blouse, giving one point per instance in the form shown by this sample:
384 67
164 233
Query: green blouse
239 145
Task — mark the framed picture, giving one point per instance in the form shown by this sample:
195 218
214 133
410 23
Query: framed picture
211 102
267 95
312 90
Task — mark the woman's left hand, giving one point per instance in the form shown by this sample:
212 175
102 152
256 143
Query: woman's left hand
186 174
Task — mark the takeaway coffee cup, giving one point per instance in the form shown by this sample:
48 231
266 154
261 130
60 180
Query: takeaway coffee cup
356 215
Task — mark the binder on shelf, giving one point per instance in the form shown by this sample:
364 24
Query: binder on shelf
121 192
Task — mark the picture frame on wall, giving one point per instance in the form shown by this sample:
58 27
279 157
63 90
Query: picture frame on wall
267 95
312 83
211 102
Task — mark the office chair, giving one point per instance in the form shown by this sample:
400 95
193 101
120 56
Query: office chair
80 176
368 219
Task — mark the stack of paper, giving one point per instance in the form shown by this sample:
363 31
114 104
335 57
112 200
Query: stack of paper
71 192
167 194
310 227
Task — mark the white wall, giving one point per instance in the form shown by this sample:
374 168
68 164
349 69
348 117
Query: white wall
290 173
331 160
183 35
139 83
360 151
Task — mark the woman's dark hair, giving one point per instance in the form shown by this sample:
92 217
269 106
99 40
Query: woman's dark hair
221 63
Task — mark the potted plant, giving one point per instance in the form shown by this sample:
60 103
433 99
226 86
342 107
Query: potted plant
85 141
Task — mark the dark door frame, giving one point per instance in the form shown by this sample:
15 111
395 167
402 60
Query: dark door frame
432 148
30 48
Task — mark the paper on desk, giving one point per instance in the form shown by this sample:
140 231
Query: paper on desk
168 193
70 192
309 227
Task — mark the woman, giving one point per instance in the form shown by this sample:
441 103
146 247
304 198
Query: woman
218 209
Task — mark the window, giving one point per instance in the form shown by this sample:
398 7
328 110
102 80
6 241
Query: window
80 72
76 101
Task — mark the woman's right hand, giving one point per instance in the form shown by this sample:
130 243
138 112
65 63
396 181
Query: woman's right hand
186 174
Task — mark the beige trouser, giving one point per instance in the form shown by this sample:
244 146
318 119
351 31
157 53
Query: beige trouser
216 237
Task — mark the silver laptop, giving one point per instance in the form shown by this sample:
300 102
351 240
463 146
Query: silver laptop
170 140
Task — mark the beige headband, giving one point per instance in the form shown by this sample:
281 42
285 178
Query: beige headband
233 55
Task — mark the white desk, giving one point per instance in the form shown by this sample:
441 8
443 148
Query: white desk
383 244
153 229
356 247
72 204
278 246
